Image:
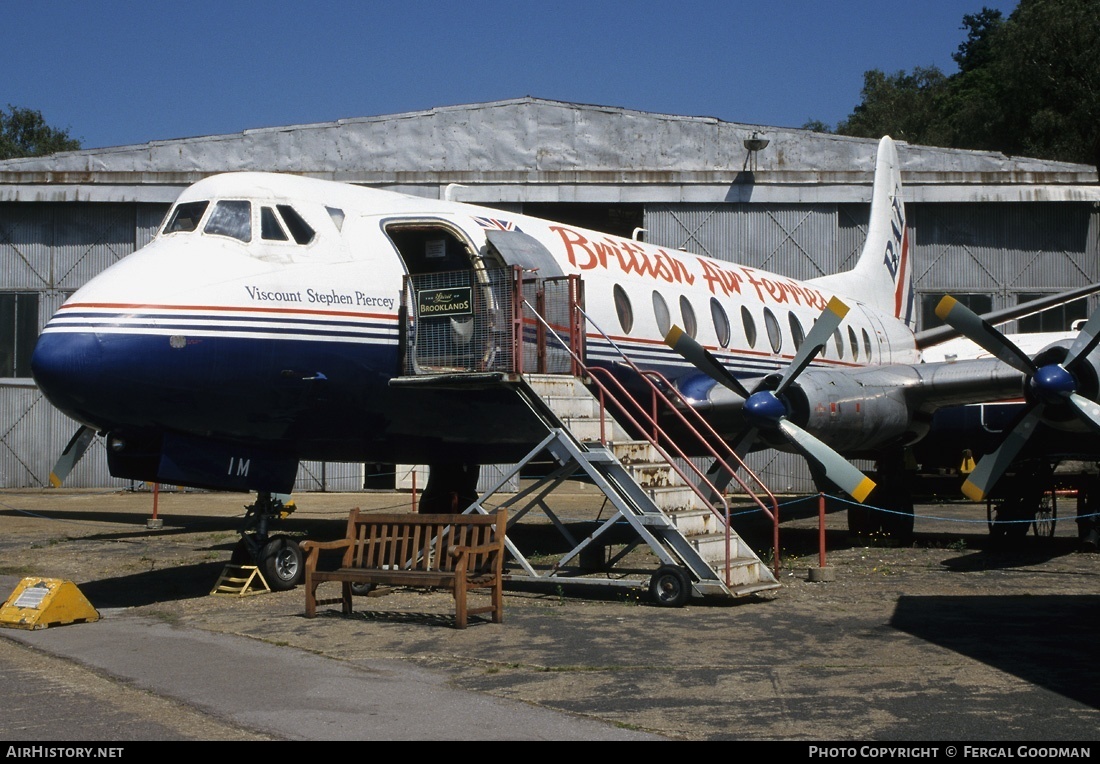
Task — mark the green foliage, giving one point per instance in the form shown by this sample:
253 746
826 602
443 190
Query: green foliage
24 133
817 126
1028 85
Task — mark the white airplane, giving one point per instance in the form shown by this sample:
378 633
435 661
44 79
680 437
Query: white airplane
267 322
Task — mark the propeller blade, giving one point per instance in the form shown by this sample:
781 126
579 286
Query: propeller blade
744 445
819 334
1088 409
703 359
1085 341
981 332
837 469
78 444
989 470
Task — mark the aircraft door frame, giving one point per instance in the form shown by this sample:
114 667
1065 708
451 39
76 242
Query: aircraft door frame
445 273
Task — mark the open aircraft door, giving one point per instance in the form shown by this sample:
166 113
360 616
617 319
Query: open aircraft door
452 302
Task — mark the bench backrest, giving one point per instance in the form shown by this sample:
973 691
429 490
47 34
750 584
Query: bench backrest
421 542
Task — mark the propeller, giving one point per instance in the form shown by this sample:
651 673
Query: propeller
765 408
78 444
1053 384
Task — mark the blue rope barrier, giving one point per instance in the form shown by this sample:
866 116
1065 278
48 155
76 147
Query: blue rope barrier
916 515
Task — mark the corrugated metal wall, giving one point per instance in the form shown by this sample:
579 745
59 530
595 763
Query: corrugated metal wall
53 249
1004 249
796 240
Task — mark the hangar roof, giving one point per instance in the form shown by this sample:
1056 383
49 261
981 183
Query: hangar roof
531 149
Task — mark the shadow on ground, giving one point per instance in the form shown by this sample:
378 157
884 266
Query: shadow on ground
1047 640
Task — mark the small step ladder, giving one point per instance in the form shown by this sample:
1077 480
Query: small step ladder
240 581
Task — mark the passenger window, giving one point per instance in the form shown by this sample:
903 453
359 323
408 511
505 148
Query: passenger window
623 309
691 326
231 218
186 217
750 326
299 228
838 340
797 333
660 312
867 344
721 322
270 228
775 334
853 343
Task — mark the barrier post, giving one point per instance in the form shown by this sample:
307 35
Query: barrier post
822 572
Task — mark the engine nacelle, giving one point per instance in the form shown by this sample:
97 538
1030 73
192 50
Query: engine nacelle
856 411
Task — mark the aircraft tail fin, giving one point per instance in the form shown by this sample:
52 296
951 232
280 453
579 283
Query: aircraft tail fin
883 275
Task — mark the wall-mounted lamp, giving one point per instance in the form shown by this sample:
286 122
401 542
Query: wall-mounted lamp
754 144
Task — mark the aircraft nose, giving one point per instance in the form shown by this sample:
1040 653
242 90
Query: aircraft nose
67 369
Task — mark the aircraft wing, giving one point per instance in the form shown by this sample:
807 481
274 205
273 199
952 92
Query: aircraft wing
860 412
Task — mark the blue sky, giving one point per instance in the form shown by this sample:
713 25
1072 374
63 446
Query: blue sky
116 73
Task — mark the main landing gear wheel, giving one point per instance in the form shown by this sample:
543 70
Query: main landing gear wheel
281 563
670 586
1046 517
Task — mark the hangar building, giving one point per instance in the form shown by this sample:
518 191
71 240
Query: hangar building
989 229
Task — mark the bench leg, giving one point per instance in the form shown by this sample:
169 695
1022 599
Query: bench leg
498 603
460 602
345 595
311 596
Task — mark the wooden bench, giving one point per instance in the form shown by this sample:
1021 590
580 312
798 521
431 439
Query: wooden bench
456 552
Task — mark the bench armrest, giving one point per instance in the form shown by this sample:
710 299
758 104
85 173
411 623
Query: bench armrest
312 549
465 549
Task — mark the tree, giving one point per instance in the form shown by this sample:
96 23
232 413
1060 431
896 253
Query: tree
24 133
976 51
1046 61
1026 85
904 106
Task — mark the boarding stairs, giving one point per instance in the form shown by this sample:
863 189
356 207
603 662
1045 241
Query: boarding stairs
699 554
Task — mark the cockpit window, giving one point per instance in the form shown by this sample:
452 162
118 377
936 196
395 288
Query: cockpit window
270 228
186 217
299 228
231 218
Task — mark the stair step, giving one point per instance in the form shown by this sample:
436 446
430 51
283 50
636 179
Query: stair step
573 406
588 429
694 522
556 384
674 498
637 452
712 547
653 475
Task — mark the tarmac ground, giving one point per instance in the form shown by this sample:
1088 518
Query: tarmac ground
950 638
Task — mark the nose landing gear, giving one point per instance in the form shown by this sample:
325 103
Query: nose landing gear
278 557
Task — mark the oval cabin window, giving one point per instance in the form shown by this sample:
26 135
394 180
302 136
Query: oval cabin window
721 322
660 312
623 309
